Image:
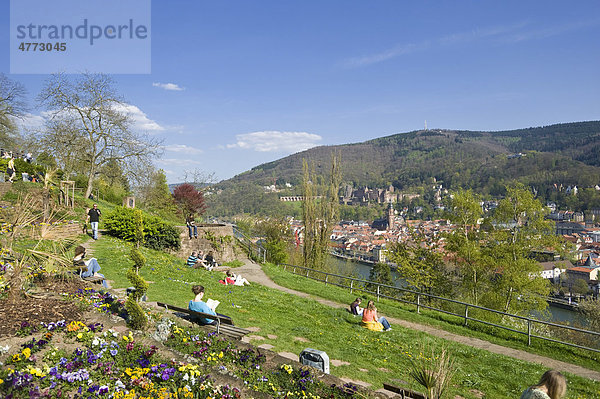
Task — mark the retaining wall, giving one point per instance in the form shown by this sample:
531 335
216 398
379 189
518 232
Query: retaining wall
211 237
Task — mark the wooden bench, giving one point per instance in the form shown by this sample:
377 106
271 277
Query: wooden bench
404 392
91 279
223 325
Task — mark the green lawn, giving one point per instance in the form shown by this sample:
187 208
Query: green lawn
439 320
373 357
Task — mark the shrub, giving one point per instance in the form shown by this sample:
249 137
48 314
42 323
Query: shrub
137 318
121 223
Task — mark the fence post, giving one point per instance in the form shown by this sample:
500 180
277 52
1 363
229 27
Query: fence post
418 303
326 277
528 332
466 313
351 285
307 271
377 292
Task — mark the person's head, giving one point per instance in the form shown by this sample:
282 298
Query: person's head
358 300
228 273
555 383
194 253
79 250
198 289
210 253
95 206
371 305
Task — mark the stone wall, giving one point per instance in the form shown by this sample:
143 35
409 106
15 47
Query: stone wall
211 237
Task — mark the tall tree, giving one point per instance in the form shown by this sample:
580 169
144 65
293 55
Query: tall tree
89 126
519 228
189 199
12 106
420 264
157 197
464 244
320 210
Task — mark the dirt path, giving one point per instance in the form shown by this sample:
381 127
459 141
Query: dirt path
255 274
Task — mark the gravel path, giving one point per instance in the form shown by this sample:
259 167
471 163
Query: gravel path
255 274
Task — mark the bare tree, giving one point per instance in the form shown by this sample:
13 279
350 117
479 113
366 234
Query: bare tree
87 128
12 105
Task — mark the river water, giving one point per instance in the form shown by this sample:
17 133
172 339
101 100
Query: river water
361 270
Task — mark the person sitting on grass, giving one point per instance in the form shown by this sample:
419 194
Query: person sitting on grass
228 280
233 279
355 308
192 260
209 259
198 305
552 385
92 266
370 320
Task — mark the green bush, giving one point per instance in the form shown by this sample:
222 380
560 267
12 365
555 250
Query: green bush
137 318
158 234
23 166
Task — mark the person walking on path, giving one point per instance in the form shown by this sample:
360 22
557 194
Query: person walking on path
94 218
10 169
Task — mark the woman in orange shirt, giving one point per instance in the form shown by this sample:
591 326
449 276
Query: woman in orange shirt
371 321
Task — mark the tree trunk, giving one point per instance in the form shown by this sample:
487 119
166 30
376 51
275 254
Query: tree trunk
88 190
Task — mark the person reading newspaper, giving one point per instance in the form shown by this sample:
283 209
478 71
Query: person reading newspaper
198 305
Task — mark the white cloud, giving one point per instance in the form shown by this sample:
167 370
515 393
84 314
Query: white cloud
30 122
140 120
521 31
168 86
182 148
275 141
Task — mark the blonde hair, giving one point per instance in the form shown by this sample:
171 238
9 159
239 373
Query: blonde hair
555 383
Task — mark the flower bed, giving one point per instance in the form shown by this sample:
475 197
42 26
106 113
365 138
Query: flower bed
78 360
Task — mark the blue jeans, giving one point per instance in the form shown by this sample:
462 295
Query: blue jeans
93 267
194 229
386 324
94 229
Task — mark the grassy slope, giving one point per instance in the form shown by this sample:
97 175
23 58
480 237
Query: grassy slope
439 320
386 357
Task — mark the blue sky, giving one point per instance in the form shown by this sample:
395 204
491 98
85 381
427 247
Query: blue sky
238 83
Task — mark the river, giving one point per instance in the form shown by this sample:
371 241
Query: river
362 271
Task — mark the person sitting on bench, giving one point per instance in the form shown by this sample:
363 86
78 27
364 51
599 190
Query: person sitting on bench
198 305
355 308
93 267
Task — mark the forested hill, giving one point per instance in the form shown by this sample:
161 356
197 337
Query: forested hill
566 153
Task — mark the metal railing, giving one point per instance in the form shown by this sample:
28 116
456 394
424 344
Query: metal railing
381 290
255 251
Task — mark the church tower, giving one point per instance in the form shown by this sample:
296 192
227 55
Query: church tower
390 216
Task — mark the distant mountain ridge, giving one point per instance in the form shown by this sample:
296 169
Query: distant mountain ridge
568 153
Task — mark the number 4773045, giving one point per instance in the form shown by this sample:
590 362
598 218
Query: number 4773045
43 46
